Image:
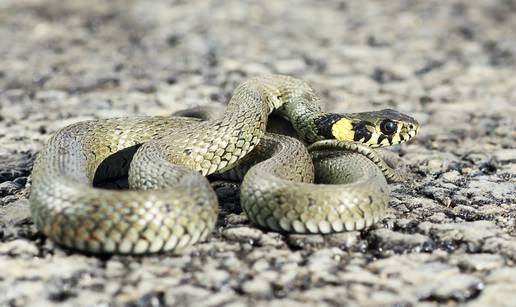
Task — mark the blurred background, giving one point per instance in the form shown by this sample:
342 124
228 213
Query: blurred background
74 59
450 64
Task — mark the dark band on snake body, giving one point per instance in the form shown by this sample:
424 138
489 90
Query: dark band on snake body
325 122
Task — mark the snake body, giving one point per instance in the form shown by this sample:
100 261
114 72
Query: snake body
171 205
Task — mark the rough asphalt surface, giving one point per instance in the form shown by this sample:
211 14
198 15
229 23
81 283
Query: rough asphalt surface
450 235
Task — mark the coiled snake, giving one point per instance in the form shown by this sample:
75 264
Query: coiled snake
171 204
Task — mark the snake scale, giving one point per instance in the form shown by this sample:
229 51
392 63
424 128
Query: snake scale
170 203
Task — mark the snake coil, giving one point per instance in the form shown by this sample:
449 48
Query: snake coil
171 205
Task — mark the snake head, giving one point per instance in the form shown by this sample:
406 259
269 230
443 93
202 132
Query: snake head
375 129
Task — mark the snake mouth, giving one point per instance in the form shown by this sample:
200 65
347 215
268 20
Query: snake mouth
412 132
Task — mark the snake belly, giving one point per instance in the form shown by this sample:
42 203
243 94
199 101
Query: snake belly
171 205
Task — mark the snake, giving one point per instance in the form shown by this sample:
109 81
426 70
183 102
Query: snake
331 178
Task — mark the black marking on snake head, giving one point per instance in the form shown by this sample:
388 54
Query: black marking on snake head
370 199
324 124
361 131
381 138
188 151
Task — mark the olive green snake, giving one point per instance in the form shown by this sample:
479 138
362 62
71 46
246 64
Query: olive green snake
170 203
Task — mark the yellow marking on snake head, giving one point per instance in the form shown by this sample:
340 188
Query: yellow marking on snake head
342 130
396 138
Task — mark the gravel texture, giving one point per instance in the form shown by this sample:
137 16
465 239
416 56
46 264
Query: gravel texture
450 236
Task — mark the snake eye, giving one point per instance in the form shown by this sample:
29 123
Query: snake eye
388 127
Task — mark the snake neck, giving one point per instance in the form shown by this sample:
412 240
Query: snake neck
288 97
308 120
244 121
294 99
